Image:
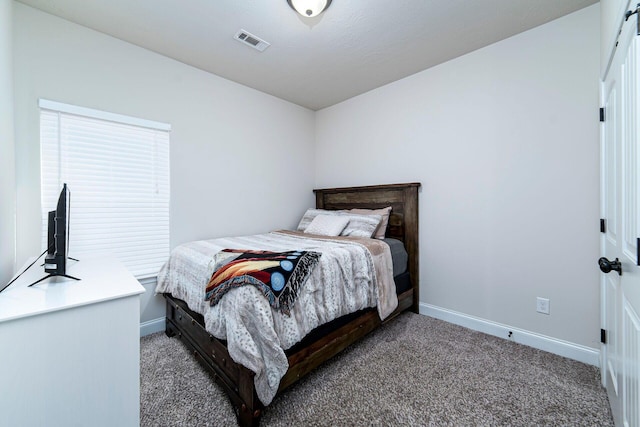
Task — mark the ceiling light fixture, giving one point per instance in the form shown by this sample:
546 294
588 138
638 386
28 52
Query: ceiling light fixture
309 8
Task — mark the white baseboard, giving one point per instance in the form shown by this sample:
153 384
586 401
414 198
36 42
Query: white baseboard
566 349
152 326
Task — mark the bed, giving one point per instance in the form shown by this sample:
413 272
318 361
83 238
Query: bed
324 341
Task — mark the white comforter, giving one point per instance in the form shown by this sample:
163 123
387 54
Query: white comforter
344 280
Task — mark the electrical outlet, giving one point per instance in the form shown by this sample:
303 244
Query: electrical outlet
542 305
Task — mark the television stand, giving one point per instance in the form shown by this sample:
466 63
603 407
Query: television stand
53 275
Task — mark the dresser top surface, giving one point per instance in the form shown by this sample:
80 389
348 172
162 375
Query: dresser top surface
101 279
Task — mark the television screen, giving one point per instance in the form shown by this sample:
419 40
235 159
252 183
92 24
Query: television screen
55 263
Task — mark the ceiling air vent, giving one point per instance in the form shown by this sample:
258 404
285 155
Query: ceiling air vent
251 40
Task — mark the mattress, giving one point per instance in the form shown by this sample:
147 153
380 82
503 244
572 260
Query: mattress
399 256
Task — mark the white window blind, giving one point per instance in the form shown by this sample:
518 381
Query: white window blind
117 170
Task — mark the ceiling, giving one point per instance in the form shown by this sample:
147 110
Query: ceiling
353 47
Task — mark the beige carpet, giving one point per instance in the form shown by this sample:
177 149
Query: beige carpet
414 371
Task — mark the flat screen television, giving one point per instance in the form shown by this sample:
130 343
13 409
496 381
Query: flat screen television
55 262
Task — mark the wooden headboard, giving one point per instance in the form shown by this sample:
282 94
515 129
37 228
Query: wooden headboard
403 221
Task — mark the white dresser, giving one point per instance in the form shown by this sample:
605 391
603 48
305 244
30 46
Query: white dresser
70 350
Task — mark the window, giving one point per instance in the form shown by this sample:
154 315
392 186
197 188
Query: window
117 169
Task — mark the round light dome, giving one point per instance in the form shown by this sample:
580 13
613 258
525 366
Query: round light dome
309 8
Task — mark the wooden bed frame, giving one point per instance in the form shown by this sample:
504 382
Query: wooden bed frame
236 379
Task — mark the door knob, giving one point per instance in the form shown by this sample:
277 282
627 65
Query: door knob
606 266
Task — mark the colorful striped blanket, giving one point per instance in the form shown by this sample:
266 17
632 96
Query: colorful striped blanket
278 275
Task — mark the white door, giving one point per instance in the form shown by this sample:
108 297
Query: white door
620 290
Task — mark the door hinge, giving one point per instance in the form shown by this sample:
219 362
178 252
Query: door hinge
603 336
603 225
602 114
631 13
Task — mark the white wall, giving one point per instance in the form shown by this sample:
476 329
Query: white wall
505 143
240 159
7 168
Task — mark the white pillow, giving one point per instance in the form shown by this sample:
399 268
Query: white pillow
310 214
327 225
